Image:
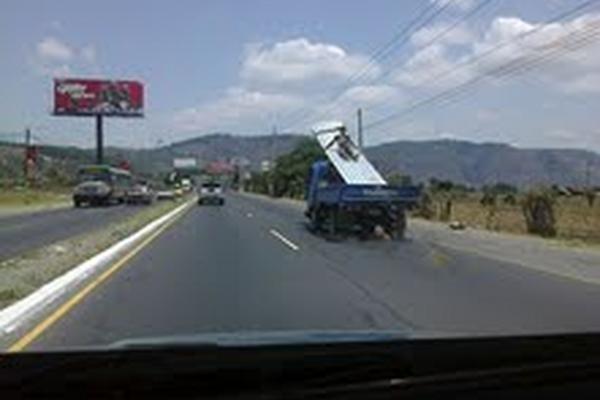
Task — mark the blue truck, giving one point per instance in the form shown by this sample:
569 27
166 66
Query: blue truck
367 209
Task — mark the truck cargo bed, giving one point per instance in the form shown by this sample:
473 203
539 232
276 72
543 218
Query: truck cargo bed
367 194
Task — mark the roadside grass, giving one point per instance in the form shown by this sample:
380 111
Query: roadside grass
15 200
24 274
576 222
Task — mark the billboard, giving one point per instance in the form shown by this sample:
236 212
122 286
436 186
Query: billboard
87 97
184 163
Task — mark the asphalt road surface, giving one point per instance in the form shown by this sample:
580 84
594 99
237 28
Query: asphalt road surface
19 233
252 266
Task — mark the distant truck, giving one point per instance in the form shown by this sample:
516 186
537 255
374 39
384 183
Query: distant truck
186 184
101 185
347 191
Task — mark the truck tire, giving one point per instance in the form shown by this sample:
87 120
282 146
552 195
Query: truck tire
333 222
400 226
316 221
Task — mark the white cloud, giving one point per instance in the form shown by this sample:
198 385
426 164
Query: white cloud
509 45
462 5
279 80
423 69
56 25
56 58
440 33
88 54
487 115
589 83
58 71
369 95
554 51
238 108
300 62
52 49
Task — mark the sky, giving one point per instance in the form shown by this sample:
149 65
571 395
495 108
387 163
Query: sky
249 67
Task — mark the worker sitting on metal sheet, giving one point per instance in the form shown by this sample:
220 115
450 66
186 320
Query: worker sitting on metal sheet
346 148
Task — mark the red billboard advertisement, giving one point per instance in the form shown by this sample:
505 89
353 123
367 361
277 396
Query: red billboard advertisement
98 97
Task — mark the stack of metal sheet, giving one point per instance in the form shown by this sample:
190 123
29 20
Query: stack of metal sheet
346 157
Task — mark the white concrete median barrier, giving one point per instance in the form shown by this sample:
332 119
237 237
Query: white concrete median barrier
13 316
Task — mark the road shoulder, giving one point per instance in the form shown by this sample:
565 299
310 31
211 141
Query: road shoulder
543 255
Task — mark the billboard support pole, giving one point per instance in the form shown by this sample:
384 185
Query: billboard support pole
99 140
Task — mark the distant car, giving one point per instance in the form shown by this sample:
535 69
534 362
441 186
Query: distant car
165 194
211 193
140 193
178 192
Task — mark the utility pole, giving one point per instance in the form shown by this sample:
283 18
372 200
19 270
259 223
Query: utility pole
26 162
587 174
273 139
30 158
359 128
272 161
99 140
27 137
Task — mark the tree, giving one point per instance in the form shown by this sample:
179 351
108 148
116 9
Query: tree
500 188
398 179
291 170
438 185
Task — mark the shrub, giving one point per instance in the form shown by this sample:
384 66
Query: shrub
590 196
510 199
425 207
538 210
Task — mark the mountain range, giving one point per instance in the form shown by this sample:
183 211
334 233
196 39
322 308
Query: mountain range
465 162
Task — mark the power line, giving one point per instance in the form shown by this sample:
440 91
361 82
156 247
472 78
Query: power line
399 39
504 71
446 31
430 43
513 66
500 46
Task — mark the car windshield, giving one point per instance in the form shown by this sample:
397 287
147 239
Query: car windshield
93 177
297 171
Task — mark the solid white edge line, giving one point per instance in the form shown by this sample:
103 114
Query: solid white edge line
285 240
17 313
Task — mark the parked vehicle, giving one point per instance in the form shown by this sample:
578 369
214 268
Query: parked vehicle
165 194
141 193
101 185
211 193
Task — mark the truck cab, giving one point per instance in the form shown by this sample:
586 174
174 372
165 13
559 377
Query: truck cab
322 175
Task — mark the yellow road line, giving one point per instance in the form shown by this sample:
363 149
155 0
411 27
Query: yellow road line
34 333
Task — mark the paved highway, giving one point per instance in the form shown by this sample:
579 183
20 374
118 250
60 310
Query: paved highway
19 233
252 266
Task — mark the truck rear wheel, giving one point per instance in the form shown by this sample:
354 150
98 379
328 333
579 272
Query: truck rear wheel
333 214
400 226
316 219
